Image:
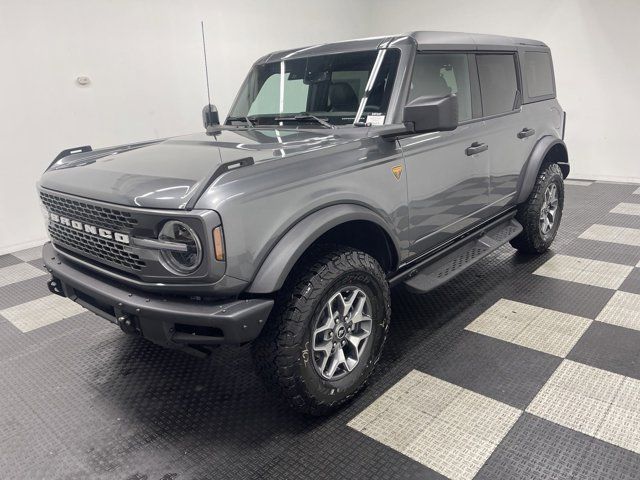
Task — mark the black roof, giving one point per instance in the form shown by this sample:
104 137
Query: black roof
424 40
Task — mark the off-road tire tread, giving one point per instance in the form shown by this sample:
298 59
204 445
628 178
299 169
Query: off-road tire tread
529 240
275 352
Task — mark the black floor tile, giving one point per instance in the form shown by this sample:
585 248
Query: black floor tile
8 260
609 347
500 370
603 461
632 282
603 251
560 295
536 449
24 291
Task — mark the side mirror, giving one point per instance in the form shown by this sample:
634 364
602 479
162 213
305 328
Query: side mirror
432 114
210 116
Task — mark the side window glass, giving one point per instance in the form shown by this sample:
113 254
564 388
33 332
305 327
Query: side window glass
498 83
538 74
436 74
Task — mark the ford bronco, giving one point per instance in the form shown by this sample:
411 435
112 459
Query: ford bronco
340 171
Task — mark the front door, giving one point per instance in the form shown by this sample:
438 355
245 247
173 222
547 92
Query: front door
448 183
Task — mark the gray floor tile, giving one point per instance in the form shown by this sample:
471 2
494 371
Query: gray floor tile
623 310
582 270
613 234
29 254
578 183
533 327
18 273
627 209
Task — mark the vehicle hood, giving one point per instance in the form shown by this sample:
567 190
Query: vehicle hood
173 173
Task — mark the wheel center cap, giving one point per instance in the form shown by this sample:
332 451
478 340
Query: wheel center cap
341 332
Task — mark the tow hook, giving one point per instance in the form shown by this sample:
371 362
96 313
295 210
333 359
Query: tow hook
126 324
55 287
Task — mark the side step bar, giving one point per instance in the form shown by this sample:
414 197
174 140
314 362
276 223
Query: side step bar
450 265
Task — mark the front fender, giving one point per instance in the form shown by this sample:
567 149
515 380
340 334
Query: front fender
276 267
532 166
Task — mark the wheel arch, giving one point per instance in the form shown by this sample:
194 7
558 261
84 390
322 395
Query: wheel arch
549 149
345 224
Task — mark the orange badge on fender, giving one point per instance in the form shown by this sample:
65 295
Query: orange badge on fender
397 171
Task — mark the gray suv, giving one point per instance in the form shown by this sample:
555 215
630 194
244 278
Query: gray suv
342 170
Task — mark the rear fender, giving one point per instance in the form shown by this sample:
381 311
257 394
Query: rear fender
547 148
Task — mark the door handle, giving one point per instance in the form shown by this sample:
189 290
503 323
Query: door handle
526 132
476 148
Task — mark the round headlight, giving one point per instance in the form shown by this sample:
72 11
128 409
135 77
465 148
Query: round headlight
181 263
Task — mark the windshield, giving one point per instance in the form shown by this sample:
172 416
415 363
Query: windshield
325 90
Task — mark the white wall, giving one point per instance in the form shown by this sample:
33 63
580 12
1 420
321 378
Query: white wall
595 52
145 62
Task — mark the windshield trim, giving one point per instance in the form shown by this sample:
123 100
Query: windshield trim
370 83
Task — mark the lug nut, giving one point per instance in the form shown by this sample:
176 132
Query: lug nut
330 334
344 342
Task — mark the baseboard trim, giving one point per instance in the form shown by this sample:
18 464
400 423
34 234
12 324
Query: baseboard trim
604 178
16 247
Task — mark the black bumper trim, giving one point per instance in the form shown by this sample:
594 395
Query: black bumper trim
154 315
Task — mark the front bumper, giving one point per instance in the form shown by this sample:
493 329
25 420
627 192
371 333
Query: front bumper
169 321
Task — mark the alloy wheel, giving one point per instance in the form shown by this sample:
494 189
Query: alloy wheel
341 332
549 209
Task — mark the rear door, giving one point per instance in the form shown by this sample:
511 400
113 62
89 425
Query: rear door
506 131
447 185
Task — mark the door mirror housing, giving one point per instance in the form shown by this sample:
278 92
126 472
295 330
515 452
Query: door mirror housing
432 114
210 117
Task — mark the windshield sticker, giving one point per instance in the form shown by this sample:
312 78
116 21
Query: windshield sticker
375 119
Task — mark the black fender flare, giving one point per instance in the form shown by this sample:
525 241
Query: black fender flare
281 259
534 162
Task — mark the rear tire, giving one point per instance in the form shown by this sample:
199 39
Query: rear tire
540 215
317 349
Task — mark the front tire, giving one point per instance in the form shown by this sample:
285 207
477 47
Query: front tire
540 215
327 330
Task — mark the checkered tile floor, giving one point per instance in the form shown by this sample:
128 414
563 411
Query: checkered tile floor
522 367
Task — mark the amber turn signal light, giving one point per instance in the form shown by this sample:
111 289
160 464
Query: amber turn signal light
218 244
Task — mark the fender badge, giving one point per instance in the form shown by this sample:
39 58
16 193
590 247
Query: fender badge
397 171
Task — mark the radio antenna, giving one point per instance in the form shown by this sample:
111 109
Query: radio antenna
206 67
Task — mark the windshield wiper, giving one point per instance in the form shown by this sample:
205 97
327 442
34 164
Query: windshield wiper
307 116
243 118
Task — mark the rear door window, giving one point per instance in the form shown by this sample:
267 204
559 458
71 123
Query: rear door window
498 83
538 74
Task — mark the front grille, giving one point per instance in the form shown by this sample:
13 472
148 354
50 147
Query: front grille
105 217
94 246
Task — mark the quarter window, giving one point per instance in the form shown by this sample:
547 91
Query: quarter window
439 75
538 74
498 83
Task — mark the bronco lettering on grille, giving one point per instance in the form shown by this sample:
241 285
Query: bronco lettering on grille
93 230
